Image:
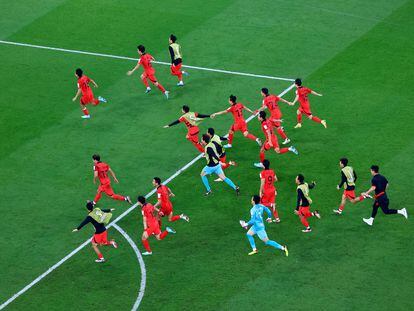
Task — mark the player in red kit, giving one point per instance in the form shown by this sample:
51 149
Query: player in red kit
101 170
151 225
87 94
239 123
149 72
271 140
304 105
166 208
270 102
268 191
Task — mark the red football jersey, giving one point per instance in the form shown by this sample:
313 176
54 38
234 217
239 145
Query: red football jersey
270 102
148 212
102 169
267 127
303 93
145 61
163 194
269 177
237 111
83 85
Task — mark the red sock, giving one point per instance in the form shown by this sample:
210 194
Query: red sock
85 111
299 118
175 218
262 156
230 138
275 213
146 245
198 146
251 136
341 207
145 81
281 132
95 102
97 197
163 234
304 221
160 87
118 197
283 150
316 119
100 256
361 198
180 76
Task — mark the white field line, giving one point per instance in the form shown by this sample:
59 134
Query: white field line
141 265
135 59
125 213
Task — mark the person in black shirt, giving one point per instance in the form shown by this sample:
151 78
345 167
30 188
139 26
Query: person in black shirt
101 234
379 184
304 202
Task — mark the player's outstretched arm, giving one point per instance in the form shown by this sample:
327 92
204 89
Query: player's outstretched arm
83 223
295 100
172 124
315 93
133 69
77 94
218 113
113 175
369 190
249 110
285 101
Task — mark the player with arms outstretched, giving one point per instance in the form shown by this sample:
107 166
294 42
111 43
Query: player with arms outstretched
304 201
268 191
176 60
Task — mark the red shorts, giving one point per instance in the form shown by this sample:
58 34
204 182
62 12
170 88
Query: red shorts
87 99
274 122
192 134
268 197
275 143
305 211
100 238
305 109
239 126
153 229
176 69
350 194
166 208
150 76
107 188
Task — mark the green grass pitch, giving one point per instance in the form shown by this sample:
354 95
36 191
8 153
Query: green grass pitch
357 54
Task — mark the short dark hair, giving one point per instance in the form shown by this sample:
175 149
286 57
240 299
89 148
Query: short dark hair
89 205
301 178
265 91
186 108
173 38
157 180
298 82
266 164
233 98
96 157
141 199
141 48
206 138
344 161
262 114
375 168
256 199
79 72
210 131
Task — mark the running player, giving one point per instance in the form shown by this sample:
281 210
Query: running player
149 72
304 201
348 179
176 60
239 123
213 165
87 94
271 140
191 121
268 191
166 208
270 102
304 105
151 225
379 184
258 227
100 171
217 140
98 218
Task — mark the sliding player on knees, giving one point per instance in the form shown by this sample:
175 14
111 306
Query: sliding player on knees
304 202
271 141
98 218
176 60
191 121
348 179
268 191
239 122
151 225
257 226
213 165
149 72
304 105
87 94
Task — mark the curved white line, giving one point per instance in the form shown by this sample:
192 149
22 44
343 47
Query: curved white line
141 264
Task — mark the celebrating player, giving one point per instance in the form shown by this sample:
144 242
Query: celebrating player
100 171
268 191
166 208
151 225
191 121
98 218
348 179
379 184
258 227
149 72
304 201
304 108
239 123
213 165
270 102
217 140
176 60
271 140
87 94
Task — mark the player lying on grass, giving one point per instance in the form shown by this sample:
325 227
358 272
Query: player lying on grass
166 208
87 94
176 60
239 122
268 191
304 202
151 225
214 166
98 218
145 60
191 121
257 226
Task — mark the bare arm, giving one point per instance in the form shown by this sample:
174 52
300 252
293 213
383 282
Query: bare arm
247 109
295 100
135 68
369 190
77 94
113 175
262 181
314 93
285 101
94 83
95 176
218 113
144 222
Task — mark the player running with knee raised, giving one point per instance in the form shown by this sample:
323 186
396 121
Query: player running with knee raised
239 122
268 191
271 141
379 184
149 72
166 208
98 218
191 121
176 60
257 226
87 94
304 202
151 225
304 105
213 165
100 171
